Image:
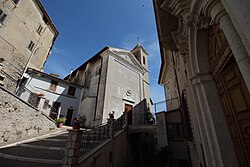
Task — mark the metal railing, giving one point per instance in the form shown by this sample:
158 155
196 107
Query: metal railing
167 105
92 138
173 104
119 123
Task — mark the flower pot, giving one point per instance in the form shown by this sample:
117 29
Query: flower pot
60 124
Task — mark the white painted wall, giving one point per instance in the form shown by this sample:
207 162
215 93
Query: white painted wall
120 79
40 84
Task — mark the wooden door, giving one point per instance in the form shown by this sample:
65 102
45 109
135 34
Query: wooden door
128 110
233 93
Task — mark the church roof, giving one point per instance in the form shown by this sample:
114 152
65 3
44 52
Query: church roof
127 56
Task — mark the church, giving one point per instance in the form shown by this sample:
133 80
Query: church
114 80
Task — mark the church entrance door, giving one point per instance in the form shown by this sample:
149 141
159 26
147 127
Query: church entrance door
233 93
128 109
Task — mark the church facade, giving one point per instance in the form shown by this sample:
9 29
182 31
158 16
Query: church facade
114 80
209 41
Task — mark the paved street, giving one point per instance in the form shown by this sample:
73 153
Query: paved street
41 152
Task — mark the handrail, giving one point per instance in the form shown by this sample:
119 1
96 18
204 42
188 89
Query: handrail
95 136
167 105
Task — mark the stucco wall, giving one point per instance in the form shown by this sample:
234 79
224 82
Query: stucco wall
18 119
120 79
19 28
41 84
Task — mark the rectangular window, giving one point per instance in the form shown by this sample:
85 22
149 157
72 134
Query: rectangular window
46 104
39 30
144 60
2 16
1 78
53 85
98 70
15 1
31 46
71 91
34 100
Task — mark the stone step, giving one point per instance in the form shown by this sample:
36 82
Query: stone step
33 153
94 137
91 141
55 140
41 151
15 162
64 137
42 147
49 143
95 134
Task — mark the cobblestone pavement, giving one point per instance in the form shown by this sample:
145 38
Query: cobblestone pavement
40 152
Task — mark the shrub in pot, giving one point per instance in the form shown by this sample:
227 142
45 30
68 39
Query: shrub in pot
60 121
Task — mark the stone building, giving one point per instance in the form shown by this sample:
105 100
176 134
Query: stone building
27 35
210 43
175 126
53 96
114 80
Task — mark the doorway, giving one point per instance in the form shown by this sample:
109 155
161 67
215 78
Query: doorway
69 116
54 110
233 93
128 109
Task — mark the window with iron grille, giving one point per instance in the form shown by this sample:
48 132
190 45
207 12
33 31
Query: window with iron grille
2 16
34 100
174 132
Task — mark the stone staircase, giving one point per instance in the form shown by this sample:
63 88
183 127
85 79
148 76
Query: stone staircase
40 152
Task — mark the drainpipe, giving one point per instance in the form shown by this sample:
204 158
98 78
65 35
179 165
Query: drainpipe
26 66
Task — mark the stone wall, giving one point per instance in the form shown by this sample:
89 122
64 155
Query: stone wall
19 119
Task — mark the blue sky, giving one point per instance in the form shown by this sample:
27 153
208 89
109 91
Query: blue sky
86 26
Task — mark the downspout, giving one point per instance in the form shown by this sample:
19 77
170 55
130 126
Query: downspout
27 65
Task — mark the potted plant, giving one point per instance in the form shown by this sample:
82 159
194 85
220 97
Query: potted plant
60 121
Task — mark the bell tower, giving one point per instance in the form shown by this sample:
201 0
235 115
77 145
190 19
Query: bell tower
141 55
